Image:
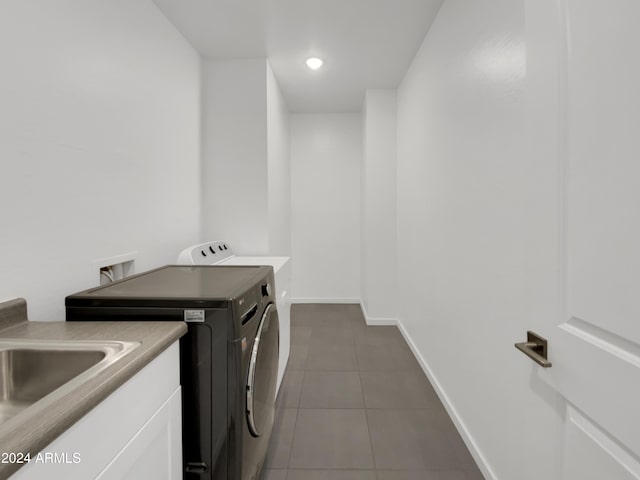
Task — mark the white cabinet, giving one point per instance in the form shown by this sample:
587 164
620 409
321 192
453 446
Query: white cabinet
135 433
155 451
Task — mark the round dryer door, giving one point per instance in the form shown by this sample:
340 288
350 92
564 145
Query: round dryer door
263 374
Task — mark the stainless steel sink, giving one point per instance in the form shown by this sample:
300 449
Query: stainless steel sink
34 370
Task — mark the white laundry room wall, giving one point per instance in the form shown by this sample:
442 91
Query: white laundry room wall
234 180
278 169
326 152
99 144
378 191
463 290
246 166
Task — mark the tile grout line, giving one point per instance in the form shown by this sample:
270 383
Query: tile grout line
293 437
366 417
304 374
295 423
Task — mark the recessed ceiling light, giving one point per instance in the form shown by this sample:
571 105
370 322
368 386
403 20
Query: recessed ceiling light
314 63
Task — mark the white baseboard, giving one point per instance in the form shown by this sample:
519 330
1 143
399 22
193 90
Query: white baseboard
477 455
455 418
324 300
376 320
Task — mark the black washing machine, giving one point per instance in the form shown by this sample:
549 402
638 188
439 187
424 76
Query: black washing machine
228 358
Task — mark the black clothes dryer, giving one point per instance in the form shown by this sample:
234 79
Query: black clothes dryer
228 358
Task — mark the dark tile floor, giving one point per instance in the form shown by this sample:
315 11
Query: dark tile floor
355 405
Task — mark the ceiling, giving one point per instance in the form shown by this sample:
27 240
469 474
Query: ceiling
364 43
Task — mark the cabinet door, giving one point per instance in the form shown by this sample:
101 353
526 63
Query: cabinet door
155 452
102 434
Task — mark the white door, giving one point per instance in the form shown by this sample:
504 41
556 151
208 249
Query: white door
583 69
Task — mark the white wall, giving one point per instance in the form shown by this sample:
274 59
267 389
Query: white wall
378 191
463 228
234 180
99 144
246 166
325 175
279 169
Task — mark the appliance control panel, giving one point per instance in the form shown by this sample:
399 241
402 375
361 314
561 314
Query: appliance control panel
209 253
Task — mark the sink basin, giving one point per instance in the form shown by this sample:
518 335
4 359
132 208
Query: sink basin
33 370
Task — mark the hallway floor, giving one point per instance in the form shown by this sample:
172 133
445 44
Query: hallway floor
355 405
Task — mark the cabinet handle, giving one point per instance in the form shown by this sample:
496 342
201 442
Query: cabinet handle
535 348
